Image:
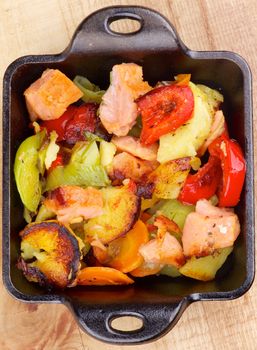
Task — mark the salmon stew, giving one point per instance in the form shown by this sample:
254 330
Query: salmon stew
128 182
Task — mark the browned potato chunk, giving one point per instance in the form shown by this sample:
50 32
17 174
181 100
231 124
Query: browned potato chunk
121 210
205 268
50 254
169 177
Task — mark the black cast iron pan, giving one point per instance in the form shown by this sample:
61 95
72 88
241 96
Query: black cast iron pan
93 50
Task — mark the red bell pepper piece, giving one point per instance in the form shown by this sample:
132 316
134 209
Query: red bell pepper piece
71 125
163 110
233 169
203 184
84 119
59 124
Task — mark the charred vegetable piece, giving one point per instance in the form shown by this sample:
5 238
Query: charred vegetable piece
121 210
203 184
169 177
26 171
50 254
84 119
205 268
73 202
49 96
164 109
58 125
102 276
118 111
123 252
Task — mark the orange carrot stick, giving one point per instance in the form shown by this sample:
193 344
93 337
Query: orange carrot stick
102 276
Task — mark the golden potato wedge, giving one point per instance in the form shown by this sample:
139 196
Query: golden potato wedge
50 254
121 211
169 177
188 138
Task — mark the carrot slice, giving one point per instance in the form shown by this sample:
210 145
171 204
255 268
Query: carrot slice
128 257
102 276
183 79
122 253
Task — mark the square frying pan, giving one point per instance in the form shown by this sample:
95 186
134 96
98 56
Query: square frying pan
158 301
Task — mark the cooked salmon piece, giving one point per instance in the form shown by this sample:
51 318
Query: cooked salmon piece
165 250
126 166
209 228
118 111
73 202
133 146
49 96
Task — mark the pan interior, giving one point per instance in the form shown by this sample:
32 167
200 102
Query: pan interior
218 73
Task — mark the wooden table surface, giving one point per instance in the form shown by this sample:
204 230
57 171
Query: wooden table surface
46 26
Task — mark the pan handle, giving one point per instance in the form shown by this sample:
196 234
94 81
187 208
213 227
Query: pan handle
157 320
95 36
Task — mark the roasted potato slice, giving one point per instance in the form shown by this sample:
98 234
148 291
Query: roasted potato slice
169 177
205 269
121 211
188 138
50 254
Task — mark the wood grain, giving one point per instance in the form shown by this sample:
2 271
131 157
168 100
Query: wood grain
46 26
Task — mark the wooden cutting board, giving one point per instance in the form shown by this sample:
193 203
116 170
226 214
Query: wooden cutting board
46 26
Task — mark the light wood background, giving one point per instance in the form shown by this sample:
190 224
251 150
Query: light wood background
46 26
